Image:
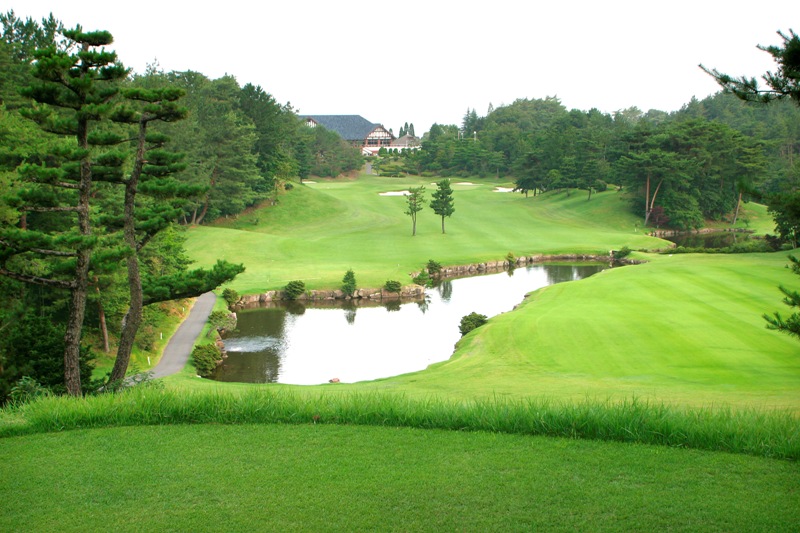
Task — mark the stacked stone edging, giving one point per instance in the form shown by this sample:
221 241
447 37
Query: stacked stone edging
407 292
411 292
491 266
675 232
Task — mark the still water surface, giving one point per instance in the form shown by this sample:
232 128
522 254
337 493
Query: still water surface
305 344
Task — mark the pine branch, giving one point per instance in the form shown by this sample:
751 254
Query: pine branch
36 209
27 278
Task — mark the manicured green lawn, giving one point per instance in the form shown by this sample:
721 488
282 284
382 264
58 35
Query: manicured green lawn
318 231
683 329
345 478
673 351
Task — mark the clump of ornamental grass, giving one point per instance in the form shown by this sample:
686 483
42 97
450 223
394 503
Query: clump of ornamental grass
754 432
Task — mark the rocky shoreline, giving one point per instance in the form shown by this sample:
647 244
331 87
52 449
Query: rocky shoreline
415 292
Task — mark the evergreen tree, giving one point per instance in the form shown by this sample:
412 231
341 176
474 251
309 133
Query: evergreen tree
75 87
783 83
414 204
791 324
442 202
151 172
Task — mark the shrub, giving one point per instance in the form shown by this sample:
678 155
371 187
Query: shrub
231 296
294 289
349 282
206 357
222 321
27 389
433 267
470 322
422 278
621 253
511 259
392 286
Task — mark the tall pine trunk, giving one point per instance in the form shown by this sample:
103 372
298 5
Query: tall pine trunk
77 309
101 312
736 212
133 318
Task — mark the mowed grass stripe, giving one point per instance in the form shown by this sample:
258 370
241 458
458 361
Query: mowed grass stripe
345 478
308 236
659 331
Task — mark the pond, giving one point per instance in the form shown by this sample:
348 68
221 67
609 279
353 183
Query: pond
714 239
311 343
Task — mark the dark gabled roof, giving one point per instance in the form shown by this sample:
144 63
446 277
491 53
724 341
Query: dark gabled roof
349 127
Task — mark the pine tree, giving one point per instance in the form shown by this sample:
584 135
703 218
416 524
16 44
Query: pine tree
76 85
152 168
414 204
442 203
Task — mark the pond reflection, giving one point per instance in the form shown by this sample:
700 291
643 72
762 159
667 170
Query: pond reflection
310 343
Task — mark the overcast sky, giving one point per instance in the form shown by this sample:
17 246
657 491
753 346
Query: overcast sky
428 61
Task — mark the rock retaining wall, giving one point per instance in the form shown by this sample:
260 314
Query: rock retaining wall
414 292
493 266
407 292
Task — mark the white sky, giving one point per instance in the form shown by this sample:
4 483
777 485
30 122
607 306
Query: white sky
428 61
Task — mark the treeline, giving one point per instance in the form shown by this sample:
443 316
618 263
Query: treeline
242 145
681 168
239 143
99 169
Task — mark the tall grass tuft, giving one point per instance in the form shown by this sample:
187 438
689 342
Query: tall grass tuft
763 433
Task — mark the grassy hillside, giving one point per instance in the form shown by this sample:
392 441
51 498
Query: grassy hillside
683 329
673 352
320 230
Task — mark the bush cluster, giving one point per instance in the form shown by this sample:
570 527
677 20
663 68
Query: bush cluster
206 357
349 283
222 321
294 289
423 278
470 322
621 253
747 247
433 267
230 296
392 286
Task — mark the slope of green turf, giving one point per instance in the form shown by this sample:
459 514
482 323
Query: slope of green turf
319 231
680 329
346 478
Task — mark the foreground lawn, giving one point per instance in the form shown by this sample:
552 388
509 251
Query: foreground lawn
344 478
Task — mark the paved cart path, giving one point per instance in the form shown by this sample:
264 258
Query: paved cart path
179 347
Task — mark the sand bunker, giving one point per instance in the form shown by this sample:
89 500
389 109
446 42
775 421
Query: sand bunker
464 183
394 193
504 189
308 181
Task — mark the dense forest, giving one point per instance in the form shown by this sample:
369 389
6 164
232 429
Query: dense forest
102 168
